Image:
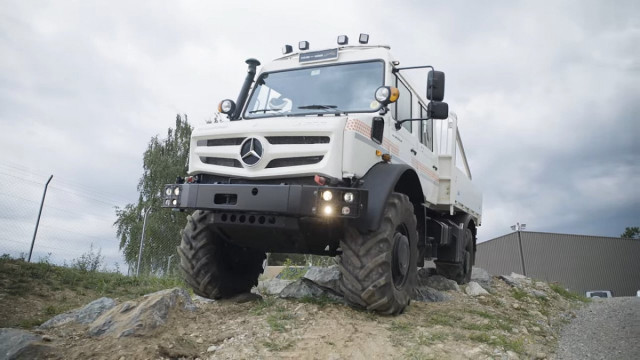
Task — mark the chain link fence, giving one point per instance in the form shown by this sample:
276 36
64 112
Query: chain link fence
76 226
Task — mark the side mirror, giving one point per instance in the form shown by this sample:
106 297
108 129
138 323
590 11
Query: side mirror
435 85
438 110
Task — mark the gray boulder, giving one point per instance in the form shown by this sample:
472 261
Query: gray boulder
437 282
20 344
326 277
272 286
482 277
83 315
304 288
510 281
474 289
131 319
427 294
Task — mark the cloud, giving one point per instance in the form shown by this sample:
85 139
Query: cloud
546 94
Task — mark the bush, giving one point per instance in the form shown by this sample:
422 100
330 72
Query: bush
89 261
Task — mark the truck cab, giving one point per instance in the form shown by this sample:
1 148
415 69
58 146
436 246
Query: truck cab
330 152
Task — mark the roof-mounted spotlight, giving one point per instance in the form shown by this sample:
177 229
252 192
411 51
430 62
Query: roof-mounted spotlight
287 49
343 40
364 38
303 45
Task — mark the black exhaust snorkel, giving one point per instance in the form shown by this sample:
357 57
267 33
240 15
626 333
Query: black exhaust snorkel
244 92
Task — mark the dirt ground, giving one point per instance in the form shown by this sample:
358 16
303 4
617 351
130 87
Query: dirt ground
509 323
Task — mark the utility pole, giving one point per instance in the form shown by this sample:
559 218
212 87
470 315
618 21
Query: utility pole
519 227
144 227
33 241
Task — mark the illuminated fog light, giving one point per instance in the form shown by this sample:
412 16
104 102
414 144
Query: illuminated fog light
168 191
176 191
328 210
346 210
327 195
175 202
348 197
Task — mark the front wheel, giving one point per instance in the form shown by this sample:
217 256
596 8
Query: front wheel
379 268
213 267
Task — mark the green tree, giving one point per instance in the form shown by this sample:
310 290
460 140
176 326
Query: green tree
632 232
163 161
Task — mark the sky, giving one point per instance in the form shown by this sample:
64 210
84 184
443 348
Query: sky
546 92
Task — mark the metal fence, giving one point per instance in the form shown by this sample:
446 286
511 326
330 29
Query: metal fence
76 225
579 262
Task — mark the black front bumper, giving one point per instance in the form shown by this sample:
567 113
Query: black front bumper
288 200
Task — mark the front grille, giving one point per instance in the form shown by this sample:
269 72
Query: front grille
295 161
297 140
221 161
220 142
217 179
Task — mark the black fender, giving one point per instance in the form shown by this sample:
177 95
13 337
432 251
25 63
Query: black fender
454 252
380 181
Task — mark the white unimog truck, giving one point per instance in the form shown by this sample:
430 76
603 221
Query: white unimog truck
330 152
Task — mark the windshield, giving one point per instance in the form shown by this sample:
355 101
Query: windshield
340 88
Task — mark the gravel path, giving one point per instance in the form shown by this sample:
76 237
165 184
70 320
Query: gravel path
606 329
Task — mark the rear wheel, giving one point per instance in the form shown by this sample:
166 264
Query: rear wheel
379 268
213 267
460 272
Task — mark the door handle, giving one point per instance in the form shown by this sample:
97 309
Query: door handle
414 152
435 168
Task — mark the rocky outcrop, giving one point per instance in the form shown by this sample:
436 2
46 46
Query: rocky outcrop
326 277
482 277
138 319
427 294
305 288
20 344
83 315
474 289
272 286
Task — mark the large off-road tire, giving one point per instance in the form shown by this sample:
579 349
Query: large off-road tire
213 267
461 273
379 268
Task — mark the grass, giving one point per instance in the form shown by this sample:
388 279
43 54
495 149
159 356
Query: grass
428 339
321 301
262 306
278 345
515 345
400 326
34 292
279 319
519 294
568 294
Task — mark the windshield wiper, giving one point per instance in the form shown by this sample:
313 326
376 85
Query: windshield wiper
328 108
263 110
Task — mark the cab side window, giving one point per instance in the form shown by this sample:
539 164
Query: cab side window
426 129
403 107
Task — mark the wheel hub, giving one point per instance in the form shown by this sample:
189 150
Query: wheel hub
401 258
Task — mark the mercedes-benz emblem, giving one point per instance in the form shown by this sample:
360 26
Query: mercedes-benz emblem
251 151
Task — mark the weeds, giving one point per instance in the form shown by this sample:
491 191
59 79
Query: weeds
516 345
519 294
262 306
567 294
278 345
400 326
280 319
321 301
290 272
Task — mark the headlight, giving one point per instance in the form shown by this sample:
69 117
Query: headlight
328 210
174 202
226 106
348 197
382 94
176 191
327 195
168 191
346 210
